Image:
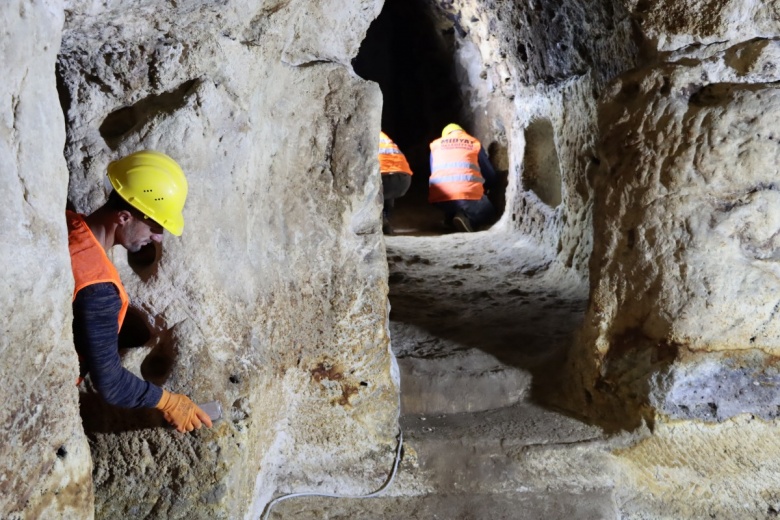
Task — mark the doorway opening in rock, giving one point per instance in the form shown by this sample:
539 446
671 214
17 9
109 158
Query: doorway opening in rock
412 58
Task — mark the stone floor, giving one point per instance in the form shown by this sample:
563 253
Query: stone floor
480 324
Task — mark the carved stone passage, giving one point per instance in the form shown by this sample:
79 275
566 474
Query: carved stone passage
639 143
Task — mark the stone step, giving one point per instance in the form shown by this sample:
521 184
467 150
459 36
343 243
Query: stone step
518 462
463 381
523 448
596 505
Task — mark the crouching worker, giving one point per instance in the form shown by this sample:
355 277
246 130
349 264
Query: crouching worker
148 197
396 177
459 168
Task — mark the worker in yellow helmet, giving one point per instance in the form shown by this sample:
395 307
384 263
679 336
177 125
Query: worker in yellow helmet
459 169
396 177
148 198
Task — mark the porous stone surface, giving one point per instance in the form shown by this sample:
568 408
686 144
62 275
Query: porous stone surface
687 469
687 220
273 301
715 387
667 25
44 457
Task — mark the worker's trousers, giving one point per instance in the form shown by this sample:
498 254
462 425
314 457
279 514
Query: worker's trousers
394 185
480 212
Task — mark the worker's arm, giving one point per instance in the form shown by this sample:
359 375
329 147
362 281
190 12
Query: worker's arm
488 173
95 333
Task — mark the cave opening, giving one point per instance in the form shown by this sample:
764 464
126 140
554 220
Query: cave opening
412 59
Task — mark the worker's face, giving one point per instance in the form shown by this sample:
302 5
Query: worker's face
136 232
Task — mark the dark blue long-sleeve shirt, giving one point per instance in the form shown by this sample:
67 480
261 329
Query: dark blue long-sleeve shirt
96 333
486 169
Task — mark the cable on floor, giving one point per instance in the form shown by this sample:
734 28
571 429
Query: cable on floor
383 487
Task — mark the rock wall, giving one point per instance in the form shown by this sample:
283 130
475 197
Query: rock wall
44 457
272 302
666 25
684 271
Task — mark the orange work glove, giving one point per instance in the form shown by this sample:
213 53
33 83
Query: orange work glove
181 412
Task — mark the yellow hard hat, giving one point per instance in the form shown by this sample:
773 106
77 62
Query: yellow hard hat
154 184
450 128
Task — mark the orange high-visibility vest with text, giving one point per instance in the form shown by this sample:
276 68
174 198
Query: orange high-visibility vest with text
89 261
455 173
391 159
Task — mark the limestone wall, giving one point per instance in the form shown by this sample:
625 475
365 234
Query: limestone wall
684 272
44 457
667 25
274 299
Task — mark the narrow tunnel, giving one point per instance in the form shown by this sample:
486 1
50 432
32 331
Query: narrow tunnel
412 60
480 323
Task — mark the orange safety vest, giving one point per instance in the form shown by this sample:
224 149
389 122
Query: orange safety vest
391 159
455 173
89 261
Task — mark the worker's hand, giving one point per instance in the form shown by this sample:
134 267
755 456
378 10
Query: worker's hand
181 412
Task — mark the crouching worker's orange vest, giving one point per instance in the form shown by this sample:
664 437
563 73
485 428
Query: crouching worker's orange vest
391 159
455 173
